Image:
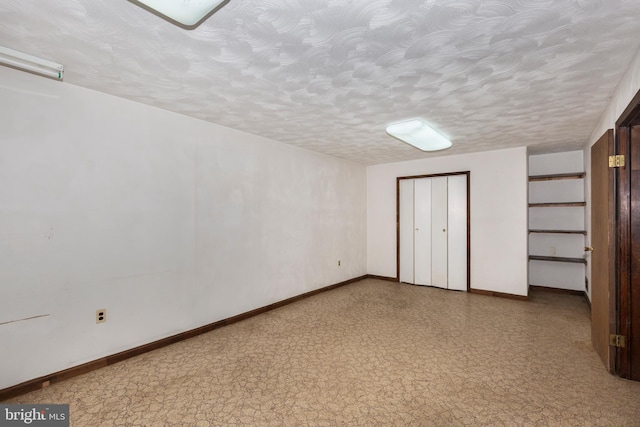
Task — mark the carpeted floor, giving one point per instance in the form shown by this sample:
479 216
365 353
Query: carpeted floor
372 353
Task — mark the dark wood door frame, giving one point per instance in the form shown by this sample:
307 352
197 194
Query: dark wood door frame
625 274
400 178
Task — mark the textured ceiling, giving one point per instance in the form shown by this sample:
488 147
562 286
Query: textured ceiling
329 75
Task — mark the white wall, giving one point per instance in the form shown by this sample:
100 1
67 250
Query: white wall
498 215
624 93
168 222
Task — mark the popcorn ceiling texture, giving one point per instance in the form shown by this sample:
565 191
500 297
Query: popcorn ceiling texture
329 75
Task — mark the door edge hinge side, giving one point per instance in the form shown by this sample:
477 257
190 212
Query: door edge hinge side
616 340
616 161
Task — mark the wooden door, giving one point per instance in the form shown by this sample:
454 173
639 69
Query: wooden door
602 278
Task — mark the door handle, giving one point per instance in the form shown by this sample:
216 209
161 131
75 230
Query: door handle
588 248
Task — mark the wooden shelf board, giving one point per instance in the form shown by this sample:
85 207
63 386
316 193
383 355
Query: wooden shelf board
559 231
557 204
557 259
573 175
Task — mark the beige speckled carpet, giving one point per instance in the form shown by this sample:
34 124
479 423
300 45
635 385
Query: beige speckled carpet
372 353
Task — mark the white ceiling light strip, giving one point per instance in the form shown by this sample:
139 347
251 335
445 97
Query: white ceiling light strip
419 134
186 12
33 64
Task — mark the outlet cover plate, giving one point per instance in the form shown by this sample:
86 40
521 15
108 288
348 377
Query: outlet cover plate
101 315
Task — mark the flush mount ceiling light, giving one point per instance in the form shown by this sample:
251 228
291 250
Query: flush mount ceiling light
33 64
419 134
185 12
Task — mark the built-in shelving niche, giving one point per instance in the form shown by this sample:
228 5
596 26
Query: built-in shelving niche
557 221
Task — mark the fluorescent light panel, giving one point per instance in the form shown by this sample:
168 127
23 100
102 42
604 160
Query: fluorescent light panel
33 64
186 12
419 134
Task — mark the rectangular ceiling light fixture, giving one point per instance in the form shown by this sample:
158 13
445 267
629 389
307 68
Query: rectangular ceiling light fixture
33 64
419 134
186 12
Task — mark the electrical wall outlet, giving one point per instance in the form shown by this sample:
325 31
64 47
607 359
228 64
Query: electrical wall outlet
101 315
338 263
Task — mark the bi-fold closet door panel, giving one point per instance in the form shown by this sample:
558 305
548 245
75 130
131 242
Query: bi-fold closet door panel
458 226
433 231
439 233
422 250
406 230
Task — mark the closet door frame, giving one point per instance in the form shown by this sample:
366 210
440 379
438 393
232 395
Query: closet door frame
401 178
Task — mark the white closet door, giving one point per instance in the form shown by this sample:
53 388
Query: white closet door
457 251
422 239
406 230
439 232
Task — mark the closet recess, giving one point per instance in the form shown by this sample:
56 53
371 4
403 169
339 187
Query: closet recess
557 221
